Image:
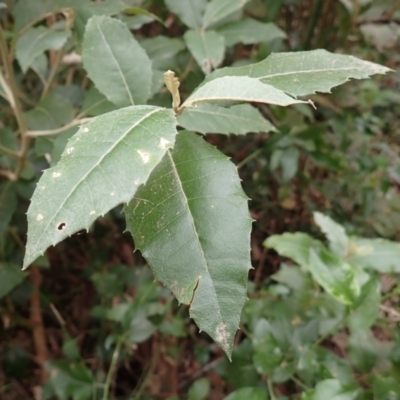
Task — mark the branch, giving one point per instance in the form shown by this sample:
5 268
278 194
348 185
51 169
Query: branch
8 93
39 334
50 132
9 72
379 20
8 174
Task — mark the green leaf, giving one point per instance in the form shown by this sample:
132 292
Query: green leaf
27 12
289 162
295 246
338 240
50 113
8 205
108 7
331 389
10 276
162 50
70 380
239 89
217 10
8 140
35 42
387 387
134 22
378 254
192 225
268 354
40 66
189 11
85 10
304 72
250 31
102 166
207 48
238 120
240 372
199 390
95 104
115 62
142 12
253 393
336 276
367 307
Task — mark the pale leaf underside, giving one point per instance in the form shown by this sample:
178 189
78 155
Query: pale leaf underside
249 31
102 166
239 89
218 10
191 223
305 72
189 11
207 48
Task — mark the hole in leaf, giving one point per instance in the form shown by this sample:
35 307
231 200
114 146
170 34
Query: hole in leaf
61 226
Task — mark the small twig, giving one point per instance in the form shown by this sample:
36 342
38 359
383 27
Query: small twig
298 382
391 311
187 70
257 276
10 6
53 72
271 389
50 132
330 331
13 232
8 151
8 174
113 366
58 316
197 374
148 373
379 20
39 336
7 91
249 158
7 58
313 23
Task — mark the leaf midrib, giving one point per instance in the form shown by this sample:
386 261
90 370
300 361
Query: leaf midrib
193 14
176 173
117 64
199 111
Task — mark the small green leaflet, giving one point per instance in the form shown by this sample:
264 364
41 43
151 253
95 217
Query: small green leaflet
217 10
189 11
207 48
35 42
250 31
115 62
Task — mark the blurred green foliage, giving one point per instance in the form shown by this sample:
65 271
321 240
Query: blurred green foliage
110 331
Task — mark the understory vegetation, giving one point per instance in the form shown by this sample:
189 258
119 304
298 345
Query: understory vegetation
199 199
